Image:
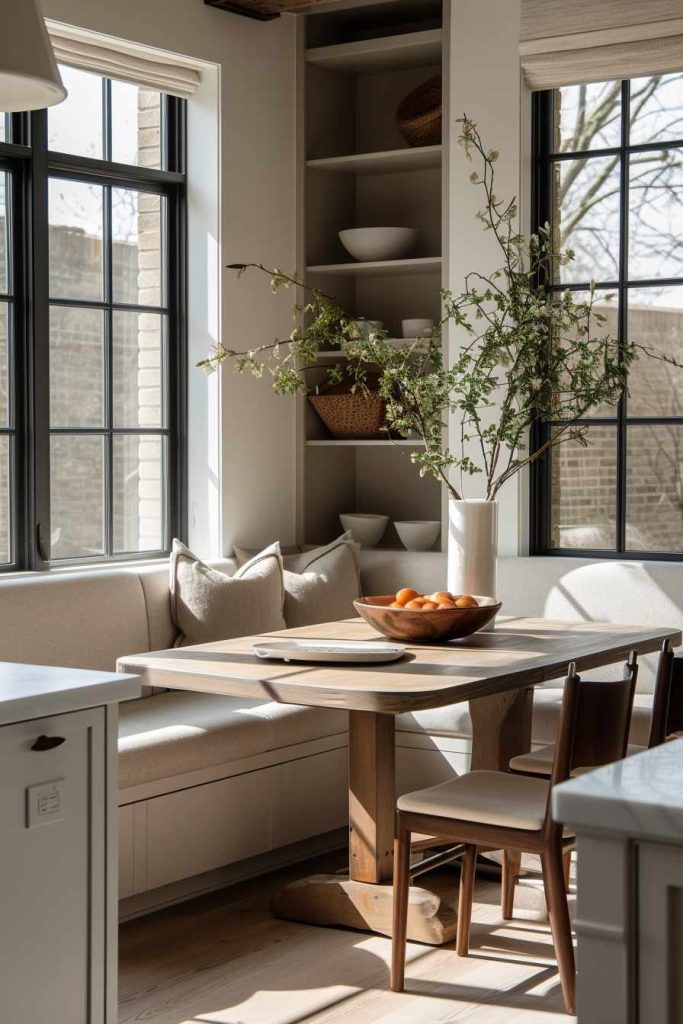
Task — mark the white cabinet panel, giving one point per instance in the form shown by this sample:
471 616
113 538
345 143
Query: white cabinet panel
52 881
660 933
205 827
310 796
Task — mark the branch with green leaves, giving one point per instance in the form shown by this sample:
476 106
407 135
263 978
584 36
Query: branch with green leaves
526 354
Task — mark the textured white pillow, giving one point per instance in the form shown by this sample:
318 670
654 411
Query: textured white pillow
321 585
208 605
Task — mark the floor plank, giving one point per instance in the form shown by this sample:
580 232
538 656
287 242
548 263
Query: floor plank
223 959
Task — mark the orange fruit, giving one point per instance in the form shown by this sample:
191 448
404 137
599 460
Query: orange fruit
465 601
395 604
440 597
446 604
415 605
429 606
405 595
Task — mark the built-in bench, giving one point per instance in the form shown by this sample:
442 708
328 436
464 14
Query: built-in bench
211 788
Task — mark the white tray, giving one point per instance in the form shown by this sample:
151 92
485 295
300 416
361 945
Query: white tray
361 653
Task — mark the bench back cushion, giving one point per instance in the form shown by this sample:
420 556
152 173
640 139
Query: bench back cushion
84 620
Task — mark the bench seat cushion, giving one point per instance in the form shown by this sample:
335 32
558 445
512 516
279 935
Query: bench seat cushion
176 732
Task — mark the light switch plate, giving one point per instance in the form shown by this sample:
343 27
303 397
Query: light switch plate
45 803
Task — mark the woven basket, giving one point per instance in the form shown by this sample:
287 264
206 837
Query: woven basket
419 115
351 415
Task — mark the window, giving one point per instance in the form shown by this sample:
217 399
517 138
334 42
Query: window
609 178
92 196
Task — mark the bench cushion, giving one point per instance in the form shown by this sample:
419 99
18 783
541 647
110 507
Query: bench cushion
178 732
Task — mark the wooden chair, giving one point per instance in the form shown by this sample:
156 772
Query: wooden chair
488 810
669 679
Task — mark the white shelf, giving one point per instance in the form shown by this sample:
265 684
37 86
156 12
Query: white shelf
335 353
380 268
334 443
390 161
389 53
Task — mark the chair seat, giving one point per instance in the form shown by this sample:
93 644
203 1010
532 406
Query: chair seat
489 798
540 762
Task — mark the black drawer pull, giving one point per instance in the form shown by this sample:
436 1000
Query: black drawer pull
48 742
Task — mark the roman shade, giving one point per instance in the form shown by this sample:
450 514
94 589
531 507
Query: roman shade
115 58
566 42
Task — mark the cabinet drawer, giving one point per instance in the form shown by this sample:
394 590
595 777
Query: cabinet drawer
52 884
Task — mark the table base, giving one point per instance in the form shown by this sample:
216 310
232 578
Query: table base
338 901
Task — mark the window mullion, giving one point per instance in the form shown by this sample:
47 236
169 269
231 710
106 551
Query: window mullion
108 253
38 353
622 319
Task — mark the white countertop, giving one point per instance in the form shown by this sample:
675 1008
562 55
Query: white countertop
641 796
36 691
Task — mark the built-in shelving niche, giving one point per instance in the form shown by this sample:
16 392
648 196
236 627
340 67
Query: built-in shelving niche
359 172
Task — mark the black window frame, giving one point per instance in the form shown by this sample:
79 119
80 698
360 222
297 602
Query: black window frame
543 160
31 164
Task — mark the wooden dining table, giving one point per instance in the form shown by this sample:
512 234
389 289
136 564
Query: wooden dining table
495 671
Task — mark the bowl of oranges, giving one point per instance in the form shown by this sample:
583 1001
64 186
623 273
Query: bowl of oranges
421 618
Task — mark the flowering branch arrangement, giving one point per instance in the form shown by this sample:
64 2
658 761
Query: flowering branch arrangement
526 353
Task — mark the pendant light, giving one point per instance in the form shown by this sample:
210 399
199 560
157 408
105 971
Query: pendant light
29 76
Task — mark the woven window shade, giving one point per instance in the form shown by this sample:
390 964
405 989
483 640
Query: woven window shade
566 42
116 59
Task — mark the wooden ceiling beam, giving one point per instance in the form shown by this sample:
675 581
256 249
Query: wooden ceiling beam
265 10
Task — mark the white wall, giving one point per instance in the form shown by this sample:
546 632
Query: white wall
241 149
486 84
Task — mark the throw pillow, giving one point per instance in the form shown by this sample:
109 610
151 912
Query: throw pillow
208 605
321 585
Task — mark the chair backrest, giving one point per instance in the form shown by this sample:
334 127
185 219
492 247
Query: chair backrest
674 721
594 721
662 703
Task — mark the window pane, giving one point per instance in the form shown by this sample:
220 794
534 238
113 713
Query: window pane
4 127
75 214
655 321
75 125
4 365
584 491
138 395
136 125
605 304
136 230
138 493
76 367
655 214
654 488
4 233
587 216
656 109
587 117
77 495
5 501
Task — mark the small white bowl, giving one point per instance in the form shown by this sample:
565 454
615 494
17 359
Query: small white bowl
370 244
367 529
417 328
418 534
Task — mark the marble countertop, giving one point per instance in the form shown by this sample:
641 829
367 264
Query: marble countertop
641 796
37 691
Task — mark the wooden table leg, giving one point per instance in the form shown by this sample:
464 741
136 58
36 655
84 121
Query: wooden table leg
362 899
372 796
501 728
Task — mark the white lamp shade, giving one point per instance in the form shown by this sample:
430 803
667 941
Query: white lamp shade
29 76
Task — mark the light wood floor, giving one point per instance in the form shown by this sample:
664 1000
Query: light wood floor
222 959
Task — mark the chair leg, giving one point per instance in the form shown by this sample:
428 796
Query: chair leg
512 863
566 868
467 873
558 911
400 900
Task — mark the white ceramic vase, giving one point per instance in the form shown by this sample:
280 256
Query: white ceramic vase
472 547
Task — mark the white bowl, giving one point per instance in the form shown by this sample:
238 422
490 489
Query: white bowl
367 529
417 328
418 534
369 244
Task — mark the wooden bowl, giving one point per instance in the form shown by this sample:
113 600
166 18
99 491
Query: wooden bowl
426 626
